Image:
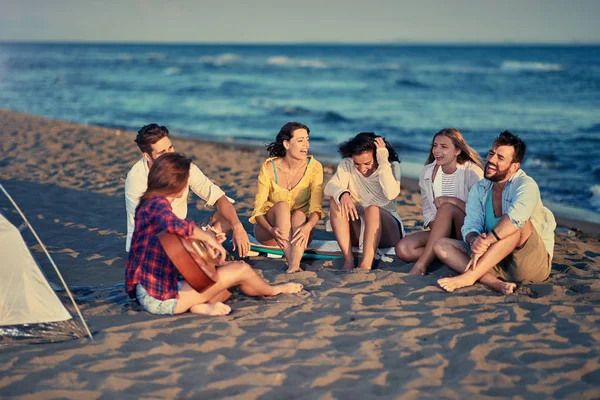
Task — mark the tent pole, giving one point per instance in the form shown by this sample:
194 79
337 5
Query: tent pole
49 258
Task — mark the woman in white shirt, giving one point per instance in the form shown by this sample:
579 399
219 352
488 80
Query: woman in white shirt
362 196
450 171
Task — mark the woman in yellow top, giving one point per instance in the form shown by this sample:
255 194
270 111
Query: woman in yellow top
287 205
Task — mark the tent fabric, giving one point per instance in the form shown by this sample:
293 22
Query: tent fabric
25 295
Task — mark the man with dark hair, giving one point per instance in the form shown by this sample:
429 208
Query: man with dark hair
153 141
508 233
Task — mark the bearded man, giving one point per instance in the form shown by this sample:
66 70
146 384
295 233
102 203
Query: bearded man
508 233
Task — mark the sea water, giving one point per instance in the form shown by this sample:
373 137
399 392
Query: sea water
548 95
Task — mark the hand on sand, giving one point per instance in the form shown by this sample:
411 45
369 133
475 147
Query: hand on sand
213 309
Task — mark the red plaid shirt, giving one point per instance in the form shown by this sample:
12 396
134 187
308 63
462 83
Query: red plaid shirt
148 264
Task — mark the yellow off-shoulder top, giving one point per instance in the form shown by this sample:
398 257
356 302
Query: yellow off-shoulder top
306 196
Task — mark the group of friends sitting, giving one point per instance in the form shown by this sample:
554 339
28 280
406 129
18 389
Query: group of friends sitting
484 221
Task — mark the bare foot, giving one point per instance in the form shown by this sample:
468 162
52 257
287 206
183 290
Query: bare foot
364 267
456 282
417 270
214 309
287 288
292 270
348 264
503 287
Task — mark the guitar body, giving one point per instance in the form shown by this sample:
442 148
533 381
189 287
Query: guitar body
192 259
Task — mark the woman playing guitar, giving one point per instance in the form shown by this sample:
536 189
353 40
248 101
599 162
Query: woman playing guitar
151 276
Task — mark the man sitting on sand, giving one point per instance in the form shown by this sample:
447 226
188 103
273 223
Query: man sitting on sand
508 233
153 140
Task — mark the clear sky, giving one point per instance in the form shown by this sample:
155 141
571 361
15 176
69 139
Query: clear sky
267 21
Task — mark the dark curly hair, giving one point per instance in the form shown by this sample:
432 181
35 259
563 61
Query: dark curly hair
363 142
276 148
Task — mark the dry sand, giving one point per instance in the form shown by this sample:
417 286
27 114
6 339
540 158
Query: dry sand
381 334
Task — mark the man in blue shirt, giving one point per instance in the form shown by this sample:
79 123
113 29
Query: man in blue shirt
508 233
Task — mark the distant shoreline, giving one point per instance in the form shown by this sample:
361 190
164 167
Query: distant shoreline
409 183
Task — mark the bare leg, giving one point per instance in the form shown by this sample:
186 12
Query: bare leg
278 216
381 230
447 215
342 229
410 248
294 253
219 223
452 253
232 274
495 253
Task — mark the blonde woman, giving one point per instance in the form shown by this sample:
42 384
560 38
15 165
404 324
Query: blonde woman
450 171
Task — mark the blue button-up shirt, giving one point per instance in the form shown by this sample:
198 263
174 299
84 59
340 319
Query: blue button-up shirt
521 201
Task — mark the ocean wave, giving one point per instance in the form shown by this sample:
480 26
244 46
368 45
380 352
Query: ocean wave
172 71
155 56
530 66
411 84
543 161
595 128
595 199
328 116
193 90
392 67
292 62
221 60
333 116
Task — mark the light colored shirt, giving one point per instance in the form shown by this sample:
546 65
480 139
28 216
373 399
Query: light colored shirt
467 175
378 189
521 201
445 184
137 183
306 196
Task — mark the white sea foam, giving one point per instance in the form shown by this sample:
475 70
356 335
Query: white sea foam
292 62
544 164
221 59
279 60
595 200
530 66
172 71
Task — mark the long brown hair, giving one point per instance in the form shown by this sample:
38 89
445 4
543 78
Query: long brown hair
168 176
467 153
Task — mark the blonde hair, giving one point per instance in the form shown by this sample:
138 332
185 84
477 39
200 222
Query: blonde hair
467 153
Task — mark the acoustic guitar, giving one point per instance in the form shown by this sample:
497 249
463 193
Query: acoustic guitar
192 258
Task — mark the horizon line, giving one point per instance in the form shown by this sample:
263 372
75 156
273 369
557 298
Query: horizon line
313 43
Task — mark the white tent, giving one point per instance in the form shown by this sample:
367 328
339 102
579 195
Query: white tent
26 297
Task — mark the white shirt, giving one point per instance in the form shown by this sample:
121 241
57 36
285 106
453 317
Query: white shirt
137 183
445 184
378 189
467 175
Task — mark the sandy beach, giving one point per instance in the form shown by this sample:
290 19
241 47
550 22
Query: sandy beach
381 334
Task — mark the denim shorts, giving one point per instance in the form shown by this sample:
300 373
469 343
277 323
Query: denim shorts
155 306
